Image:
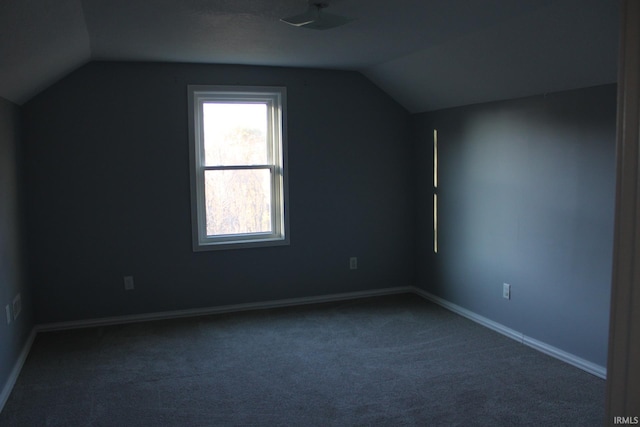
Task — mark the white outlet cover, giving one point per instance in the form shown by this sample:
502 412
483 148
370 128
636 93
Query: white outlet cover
353 263
506 290
128 283
9 317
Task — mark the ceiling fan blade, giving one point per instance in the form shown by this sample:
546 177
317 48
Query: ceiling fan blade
327 20
304 18
315 18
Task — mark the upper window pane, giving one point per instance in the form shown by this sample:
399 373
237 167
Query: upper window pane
235 133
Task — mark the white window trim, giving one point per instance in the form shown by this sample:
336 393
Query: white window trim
275 97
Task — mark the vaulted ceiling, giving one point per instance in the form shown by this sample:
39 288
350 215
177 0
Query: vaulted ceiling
427 54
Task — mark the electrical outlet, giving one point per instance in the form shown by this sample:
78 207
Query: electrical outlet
353 263
9 316
128 283
17 306
506 291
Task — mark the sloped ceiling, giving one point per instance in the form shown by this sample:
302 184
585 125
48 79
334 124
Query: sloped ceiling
427 54
40 42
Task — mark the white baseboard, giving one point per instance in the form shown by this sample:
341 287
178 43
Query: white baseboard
585 365
163 315
17 367
571 359
498 327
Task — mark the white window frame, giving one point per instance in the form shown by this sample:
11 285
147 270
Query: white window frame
275 98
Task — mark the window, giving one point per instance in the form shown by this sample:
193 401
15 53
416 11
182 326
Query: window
238 175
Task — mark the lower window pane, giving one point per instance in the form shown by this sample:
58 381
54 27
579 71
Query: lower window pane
238 201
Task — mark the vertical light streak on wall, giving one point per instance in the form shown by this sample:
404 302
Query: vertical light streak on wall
435 159
435 191
435 223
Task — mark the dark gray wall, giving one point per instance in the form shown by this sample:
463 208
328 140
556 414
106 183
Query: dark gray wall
12 278
526 197
107 178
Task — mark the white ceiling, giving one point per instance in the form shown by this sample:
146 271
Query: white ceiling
427 54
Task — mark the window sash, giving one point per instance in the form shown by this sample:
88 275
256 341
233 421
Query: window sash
276 227
273 118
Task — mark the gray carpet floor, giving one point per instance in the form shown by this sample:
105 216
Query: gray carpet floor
384 361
